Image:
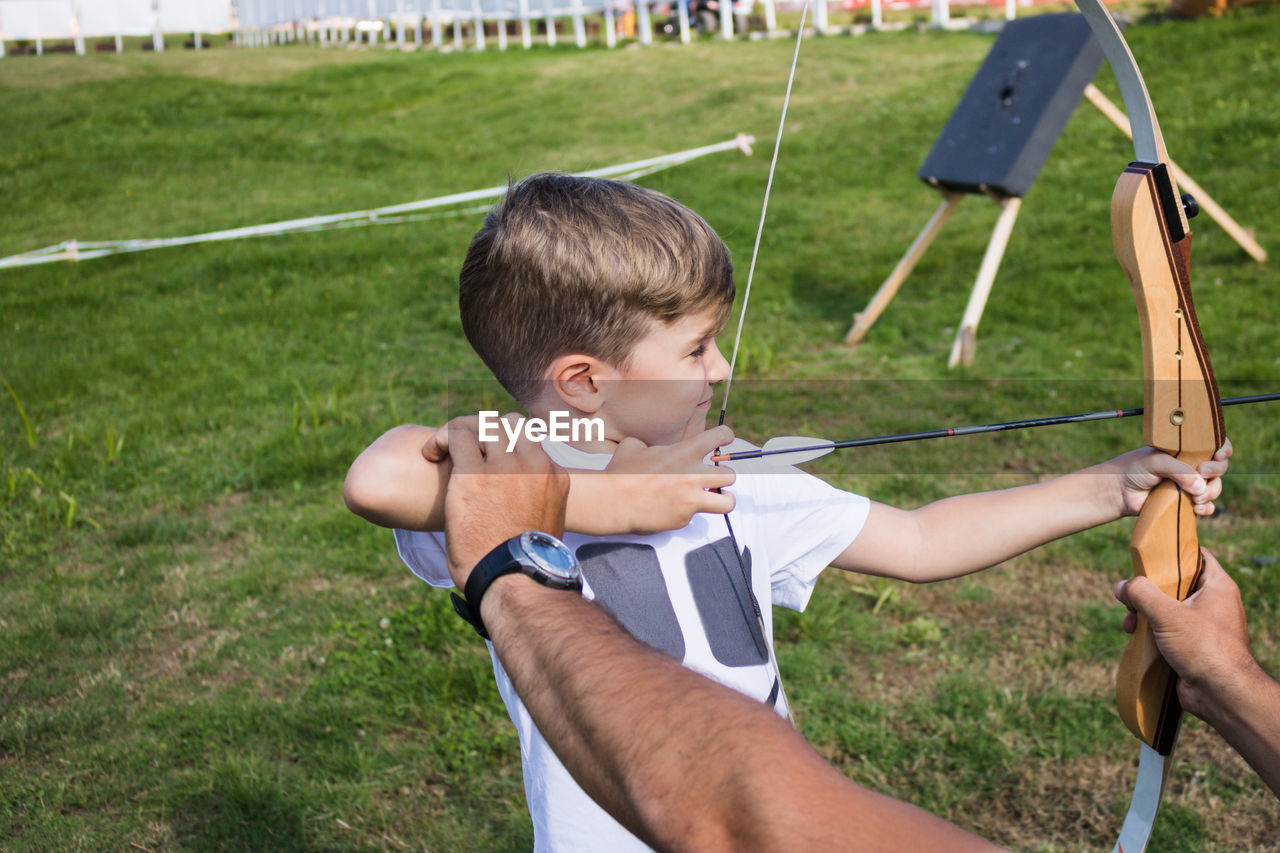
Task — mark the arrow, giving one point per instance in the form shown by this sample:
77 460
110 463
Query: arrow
806 449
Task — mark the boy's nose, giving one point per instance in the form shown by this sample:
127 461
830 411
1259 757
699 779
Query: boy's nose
717 366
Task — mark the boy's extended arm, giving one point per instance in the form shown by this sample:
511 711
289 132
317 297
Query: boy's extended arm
393 483
967 533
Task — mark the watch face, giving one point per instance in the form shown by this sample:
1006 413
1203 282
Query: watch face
551 555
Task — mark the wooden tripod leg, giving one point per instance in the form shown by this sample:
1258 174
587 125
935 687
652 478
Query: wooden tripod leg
966 342
863 320
1237 232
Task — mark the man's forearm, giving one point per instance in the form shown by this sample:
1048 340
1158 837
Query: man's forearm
681 761
1246 712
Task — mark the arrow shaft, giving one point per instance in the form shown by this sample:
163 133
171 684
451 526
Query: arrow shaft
948 432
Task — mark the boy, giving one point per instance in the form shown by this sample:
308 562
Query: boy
602 300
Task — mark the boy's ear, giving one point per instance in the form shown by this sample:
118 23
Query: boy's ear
576 379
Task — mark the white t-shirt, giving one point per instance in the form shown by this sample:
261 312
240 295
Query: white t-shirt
683 593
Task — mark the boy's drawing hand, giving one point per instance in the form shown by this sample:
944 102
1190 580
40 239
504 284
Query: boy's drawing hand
666 485
1142 470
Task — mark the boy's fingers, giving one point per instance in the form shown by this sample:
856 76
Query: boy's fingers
630 445
718 502
1165 466
719 477
711 439
1217 466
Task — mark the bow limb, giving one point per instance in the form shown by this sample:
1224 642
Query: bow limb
1182 417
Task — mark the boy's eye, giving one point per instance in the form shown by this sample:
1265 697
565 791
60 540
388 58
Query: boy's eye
700 351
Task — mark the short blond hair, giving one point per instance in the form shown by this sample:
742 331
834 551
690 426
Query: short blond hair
566 264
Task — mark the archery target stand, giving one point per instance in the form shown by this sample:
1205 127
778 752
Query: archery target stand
997 139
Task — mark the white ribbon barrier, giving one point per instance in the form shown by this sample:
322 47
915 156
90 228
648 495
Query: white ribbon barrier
74 250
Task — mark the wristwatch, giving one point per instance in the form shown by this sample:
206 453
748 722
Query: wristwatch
539 555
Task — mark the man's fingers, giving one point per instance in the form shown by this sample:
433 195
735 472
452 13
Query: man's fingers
1214 578
463 443
436 448
1143 596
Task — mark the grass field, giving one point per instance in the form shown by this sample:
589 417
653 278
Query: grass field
200 649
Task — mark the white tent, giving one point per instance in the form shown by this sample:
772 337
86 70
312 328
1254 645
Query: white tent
40 20
99 18
193 16
36 19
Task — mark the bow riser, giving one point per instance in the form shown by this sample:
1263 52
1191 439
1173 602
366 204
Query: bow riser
1183 411
1183 417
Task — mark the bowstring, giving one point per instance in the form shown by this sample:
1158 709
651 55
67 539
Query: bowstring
737 342
764 211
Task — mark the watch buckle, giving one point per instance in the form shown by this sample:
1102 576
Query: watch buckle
461 608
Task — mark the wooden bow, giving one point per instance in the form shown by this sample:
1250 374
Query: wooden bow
1183 416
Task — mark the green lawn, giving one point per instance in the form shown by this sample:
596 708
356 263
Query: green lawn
200 649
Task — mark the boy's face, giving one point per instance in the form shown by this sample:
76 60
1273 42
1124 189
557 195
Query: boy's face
665 392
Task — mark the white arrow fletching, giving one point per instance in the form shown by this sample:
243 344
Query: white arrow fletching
796 449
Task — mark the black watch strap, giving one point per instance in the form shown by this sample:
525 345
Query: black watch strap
498 562
534 554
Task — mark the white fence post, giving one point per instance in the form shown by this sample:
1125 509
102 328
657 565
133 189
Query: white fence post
526 28
579 26
157 40
683 14
610 34
941 13
820 22
477 13
644 27
76 29
877 15
551 25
